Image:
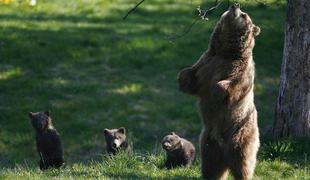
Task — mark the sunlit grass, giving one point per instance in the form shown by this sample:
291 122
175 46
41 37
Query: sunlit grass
135 166
59 81
94 70
10 73
6 2
129 89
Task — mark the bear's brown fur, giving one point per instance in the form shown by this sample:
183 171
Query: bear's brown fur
49 144
116 140
223 80
180 152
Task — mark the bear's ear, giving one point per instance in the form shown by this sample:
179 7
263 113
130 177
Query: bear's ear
106 132
121 130
48 113
172 133
256 30
30 114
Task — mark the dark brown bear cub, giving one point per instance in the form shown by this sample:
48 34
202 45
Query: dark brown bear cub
180 152
116 140
49 145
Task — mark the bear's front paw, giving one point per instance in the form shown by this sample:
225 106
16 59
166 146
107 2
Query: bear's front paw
187 80
223 88
224 85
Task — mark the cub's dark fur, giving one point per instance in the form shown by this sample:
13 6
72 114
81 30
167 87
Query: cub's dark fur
116 140
180 152
49 145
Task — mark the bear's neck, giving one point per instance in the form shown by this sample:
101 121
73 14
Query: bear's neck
236 50
47 128
232 47
234 54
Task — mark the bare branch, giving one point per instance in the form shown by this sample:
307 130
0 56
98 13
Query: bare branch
133 9
202 14
186 31
262 3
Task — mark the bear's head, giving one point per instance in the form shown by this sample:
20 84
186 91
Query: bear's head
41 121
171 142
115 138
234 34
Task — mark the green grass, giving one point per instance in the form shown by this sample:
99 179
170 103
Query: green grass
94 70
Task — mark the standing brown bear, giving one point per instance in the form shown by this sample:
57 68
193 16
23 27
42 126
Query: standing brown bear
223 80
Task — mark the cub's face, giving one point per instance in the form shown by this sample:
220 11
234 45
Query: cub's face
115 137
237 24
40 120
171 142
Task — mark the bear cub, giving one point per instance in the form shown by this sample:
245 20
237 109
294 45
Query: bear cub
49 144
116 140
180 152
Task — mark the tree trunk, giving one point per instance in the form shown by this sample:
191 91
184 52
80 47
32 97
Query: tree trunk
292 117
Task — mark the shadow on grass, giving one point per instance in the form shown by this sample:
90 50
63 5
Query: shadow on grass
133 175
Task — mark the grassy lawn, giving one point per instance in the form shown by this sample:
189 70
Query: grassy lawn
94 70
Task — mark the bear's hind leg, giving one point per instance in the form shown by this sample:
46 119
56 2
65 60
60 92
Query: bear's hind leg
243 155
242 171
213 163
243 164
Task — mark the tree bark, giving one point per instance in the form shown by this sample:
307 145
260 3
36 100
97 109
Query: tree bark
292 116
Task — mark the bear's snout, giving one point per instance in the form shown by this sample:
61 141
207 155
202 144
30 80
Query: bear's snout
166 145
235 10
116 143
236 6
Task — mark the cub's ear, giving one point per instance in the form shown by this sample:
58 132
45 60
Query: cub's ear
121 130
172 133
181 144
256 30
106 132
30 114
48 113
